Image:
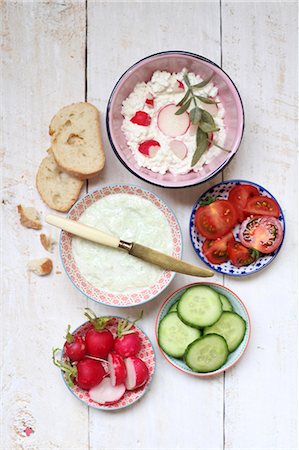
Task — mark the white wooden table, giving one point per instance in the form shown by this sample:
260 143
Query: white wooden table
59 52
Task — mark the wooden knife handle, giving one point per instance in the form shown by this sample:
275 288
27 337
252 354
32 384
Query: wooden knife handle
83 231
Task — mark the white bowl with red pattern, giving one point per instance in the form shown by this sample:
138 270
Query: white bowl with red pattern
118 299
147 354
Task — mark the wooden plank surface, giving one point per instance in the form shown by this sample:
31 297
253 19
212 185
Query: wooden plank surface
43 47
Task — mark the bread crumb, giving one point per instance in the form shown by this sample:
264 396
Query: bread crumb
41 266
29 217
58 272
47 242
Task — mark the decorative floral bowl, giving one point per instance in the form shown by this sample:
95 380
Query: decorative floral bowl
110 298
222 190
175 61
238 307
146 353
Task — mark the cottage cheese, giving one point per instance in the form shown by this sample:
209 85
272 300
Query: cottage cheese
131 218
163 86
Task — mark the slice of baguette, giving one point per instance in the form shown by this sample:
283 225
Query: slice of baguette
58 189
41 266
76 140
29 217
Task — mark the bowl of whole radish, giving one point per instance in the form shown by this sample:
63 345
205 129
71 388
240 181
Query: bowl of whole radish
203 329
107 363
237 227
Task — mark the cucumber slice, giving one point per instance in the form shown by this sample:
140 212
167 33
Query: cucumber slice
226 305
174 336
231 326
207 353
200 306
174 307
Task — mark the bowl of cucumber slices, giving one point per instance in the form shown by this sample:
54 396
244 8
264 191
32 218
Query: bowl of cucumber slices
203 329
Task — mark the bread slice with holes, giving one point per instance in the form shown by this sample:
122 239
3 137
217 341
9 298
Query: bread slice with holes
76 140
58 189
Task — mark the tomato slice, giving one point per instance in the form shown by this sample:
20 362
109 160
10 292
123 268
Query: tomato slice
240 255
216 219
263 234
239 196
262 206
216 251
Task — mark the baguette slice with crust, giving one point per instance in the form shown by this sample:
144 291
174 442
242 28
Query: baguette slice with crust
76 140
41 266
58 189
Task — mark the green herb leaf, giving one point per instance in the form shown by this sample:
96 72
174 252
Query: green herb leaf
255 254
206 100
201 146
183 108
208 200
195 115
186 79
203 83
219 146
207 128
186 96
207 123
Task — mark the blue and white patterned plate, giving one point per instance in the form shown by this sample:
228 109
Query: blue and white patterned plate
222 190
238 307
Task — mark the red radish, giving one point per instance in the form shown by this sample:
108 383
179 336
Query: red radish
127 343
171 124
149 148
211 138
178 148
137 373
149 101
86 374
99 341
179 86
117 368
74 348
141 118
106 394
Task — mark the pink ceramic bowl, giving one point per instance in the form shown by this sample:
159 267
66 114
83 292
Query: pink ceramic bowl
175 61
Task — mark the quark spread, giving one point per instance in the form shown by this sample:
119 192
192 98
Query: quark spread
147 100
131 218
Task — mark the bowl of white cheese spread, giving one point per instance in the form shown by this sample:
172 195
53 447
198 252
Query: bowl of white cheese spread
175 119
110 276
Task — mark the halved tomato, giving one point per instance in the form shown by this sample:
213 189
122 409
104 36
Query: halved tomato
216 251
240 255
239 196
263 234
262 206
216 219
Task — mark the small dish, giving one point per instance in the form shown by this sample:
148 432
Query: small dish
118 299
147 354
175 61
238 307
221 190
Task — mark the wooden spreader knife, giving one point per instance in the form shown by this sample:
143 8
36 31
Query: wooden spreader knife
148 254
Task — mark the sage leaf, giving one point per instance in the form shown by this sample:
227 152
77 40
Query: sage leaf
206 100
207 118
201 146
207 128
195 115
186 96
203 83
186 79
183 108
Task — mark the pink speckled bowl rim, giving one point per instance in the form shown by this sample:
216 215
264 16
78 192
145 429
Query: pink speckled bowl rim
235 94
109 298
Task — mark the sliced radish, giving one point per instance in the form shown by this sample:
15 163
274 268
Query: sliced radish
137 373
178 148
211 137
141 118
149 99
210 108
149 148
179 87
118 371
106 394
170 124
